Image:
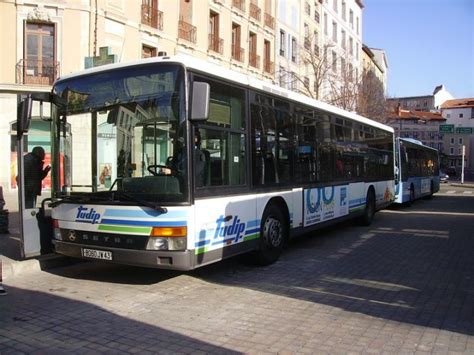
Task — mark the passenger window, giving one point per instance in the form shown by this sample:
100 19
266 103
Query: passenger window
220 143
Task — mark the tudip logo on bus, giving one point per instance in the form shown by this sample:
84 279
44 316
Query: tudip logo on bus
85 214
236 228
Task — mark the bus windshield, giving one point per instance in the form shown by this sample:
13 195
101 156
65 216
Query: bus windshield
128 129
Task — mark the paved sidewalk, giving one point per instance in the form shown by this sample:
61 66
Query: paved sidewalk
10 254
403 285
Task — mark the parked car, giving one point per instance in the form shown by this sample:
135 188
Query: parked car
451 171
443 177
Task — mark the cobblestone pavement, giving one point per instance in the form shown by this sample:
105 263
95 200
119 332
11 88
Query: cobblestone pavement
403 285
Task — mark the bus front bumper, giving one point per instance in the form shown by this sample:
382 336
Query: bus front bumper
172 260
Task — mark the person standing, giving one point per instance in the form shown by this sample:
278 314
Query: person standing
34 175
2 290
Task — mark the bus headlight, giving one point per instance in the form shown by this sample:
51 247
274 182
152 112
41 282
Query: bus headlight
167 238
56 230
173 243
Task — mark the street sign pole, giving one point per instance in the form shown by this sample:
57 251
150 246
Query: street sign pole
462 163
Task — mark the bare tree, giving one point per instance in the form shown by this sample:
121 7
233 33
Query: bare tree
331 83
318 64
371 102
344 88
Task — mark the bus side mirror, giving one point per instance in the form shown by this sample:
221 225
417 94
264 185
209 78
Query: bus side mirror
24 115
200 103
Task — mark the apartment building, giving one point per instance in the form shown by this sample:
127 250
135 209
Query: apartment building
420 125
459 132
45 39
298 35
319 45
375 61
341 43
431 102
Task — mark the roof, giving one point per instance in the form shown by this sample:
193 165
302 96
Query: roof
211 69
415 115
416 142
458 103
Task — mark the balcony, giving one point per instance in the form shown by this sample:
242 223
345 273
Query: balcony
187 31
255 12
238 53
268 67
254 60
36 72
269 21
152 17
216 44
239 4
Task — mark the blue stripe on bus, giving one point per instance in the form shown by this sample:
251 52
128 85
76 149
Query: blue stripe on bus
253 223
251 231
143 213
358 202
144 223
202 243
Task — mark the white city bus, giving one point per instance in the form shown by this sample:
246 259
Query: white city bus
177 163
418 170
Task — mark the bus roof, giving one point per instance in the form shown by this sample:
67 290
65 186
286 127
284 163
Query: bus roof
416 142
215 70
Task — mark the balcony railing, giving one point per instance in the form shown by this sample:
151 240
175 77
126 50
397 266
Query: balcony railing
152 17
216 44
269 21
187 31
254 60
240 4
255 11
36 72
238 53
269 66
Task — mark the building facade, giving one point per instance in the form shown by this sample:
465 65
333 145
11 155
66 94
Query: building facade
342 48
381 62
45 39
420 125
422 103
319 47
459 132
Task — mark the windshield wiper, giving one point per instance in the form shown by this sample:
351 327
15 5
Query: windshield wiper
124 195
110 196
75 198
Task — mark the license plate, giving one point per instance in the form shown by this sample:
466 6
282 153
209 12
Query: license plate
97 254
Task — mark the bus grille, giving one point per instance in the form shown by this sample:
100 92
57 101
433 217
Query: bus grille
123 241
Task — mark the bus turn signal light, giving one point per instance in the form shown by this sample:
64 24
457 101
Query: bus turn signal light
169 232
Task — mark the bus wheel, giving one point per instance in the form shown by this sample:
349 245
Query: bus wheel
412 195
369 211
430 196
273 233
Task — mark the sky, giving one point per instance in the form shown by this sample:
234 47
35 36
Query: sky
427 43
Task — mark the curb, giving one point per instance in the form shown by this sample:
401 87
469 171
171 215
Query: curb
12 268
458 184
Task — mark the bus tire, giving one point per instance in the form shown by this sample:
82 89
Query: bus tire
369 211
412 195
273 234
430 196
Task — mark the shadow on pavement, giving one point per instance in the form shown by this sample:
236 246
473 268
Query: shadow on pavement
10 242
114 273
441 204
43 323
416 269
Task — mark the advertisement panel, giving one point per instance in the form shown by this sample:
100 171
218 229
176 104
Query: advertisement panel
325 203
